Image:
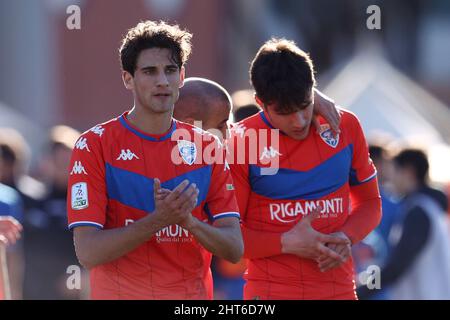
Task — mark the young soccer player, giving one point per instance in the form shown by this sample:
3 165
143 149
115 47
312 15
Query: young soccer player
306 196
147 208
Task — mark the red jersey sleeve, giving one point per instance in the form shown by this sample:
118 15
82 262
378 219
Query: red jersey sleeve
366 211
221 199
86 193
365 197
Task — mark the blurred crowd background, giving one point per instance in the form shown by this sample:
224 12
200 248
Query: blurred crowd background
56 83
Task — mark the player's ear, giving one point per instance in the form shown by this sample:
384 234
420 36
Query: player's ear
128 80
182 76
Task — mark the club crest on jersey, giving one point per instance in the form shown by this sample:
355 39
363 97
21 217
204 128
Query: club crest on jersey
327 136
188 151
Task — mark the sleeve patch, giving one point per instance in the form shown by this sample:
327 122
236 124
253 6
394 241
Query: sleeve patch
80 198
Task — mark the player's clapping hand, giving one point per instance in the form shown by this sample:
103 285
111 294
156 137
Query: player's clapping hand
302 240
175 207
326 263
10 230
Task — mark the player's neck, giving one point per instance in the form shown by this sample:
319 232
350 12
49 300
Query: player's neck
149 122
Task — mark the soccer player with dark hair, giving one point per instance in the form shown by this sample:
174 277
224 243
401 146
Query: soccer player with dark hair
300 219
145 224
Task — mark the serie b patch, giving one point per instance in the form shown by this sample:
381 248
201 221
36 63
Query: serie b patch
79 196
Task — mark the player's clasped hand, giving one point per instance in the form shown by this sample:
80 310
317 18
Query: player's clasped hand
302 240
175 207
326 263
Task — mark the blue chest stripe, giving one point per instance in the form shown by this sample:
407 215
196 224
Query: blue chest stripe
135 190
318 182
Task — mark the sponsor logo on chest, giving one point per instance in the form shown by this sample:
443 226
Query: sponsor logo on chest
287 212
173 233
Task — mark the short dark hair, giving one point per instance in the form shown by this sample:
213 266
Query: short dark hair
283 74
416 160
150 34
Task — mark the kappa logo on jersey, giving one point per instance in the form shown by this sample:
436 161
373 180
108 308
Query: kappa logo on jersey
98 130
327 136
226 166
78 168
239 129
79 196
269 153
188 151
126 155
82 144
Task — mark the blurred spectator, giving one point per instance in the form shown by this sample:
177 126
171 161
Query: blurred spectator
374 249
419 264
49 246
12 152
381 160
10 230
448 196
15 158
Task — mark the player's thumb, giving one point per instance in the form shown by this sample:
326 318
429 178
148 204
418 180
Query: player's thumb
313 215
156 186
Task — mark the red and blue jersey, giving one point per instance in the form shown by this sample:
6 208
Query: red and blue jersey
112 171
317 171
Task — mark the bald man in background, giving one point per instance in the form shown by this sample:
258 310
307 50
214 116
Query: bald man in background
206 101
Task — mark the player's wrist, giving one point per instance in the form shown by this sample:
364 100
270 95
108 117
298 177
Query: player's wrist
190 223
153 222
